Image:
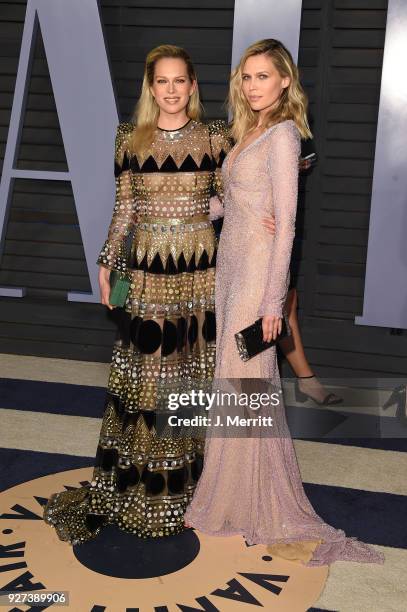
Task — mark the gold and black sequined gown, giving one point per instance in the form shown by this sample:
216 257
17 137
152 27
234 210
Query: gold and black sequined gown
162 237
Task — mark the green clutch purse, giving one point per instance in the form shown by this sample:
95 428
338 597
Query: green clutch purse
119 288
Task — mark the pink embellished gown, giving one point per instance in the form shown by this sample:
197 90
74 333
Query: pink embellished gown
252 485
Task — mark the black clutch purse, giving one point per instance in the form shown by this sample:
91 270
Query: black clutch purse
250 340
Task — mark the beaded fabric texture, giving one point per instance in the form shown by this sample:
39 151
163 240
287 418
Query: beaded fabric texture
143 481
252 485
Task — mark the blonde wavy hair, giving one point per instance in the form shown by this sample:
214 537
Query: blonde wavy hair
147 111
292 103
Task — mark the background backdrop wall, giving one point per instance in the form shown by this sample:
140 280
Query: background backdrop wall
340 58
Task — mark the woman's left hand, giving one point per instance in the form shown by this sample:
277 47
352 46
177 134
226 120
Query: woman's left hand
272 326
270 224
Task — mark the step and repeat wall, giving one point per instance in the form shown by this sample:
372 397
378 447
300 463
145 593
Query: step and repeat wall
351 314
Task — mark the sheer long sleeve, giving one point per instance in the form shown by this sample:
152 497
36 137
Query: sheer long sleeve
282 165
221 143
112 255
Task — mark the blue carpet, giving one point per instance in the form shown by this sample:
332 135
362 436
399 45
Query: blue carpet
310 424
53 398
18 466
371 517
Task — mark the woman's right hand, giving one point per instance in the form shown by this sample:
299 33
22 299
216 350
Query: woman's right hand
272 326
104 286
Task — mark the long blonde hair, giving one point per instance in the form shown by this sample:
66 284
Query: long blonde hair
292 103
147 111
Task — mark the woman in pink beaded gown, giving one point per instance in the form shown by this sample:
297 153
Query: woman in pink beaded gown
252 485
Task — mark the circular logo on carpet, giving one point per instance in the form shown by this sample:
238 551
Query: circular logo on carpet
119 572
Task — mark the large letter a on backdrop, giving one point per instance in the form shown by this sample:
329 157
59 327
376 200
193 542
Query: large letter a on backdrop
87 111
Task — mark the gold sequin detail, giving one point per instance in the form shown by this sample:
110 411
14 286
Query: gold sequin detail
143 481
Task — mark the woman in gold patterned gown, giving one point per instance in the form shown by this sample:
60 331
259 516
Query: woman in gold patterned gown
166 170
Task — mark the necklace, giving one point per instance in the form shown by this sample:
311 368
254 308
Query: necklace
173 135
